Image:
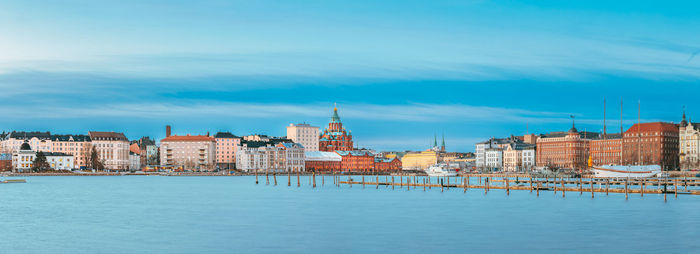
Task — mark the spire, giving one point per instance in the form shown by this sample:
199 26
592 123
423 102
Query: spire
435 141
683 121
443 141
335 118
573 124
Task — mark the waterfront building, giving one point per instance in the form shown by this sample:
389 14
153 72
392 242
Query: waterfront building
226 147
134 161
23 158
606 149
112 149
489 153
382 164
60 161
653 143
189 152
39 141
318 161
335 137
148 150
293 157
420 160
304 134
79 146
260 156
518 157
569 150
5 161
357 160
689 144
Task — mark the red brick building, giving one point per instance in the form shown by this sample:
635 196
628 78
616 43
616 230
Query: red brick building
335 137
317 161
387 164
652 144
564 149
606 150
360 161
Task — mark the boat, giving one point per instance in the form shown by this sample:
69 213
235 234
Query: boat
622 171
441 169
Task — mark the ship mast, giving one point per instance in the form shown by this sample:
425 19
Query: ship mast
622 137
605 139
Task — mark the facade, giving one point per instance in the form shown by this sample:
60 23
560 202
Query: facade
134 161
79 146
335 137
260 156
148 150
293 157
420 160
607 149
60 161
23 158
304 134
689 144
318 161
39 141
519 157
190 152
112 149
654 143
387 164
568 150
489 153
357 160
226 147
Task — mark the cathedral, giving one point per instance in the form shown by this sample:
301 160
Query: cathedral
335 137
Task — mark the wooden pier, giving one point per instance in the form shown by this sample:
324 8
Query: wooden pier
486 182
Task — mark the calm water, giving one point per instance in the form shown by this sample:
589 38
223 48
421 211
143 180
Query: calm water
157 214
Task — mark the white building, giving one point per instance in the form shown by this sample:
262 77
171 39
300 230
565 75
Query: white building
112 149
490 161
689 144
134 161
304 134
519 157
60 161
23 158
493 158
294 158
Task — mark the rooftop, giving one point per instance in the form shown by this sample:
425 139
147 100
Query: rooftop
188 138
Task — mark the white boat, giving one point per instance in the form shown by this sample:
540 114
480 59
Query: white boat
441 169
627 171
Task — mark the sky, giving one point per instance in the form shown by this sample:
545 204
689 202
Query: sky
400 72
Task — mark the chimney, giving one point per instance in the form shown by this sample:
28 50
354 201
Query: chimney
167 131
207 134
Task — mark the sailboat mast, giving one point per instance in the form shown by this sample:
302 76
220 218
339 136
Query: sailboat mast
605 139
622 137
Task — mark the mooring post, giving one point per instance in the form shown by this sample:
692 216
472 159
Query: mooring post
298 180
555 184
314 178
626 189
563 188
349 182
256 177
641 188
675 185
392 182
507 187
580 185
267 178
467 183
464 184
363 181
408 183
538 189
289 179
377 182
430 183
607 186
592 195
442 185
530 183
274 176
685 183
424 181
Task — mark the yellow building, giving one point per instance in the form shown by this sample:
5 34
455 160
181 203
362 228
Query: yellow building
419 160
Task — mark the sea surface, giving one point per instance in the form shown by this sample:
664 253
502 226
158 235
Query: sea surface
176 214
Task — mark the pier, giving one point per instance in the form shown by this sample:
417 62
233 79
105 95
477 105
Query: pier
524 182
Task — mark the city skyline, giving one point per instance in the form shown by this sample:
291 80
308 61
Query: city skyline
400 72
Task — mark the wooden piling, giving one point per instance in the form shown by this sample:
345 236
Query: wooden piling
274 176
267 179
626 189
538 189
607 186
642 188
289 179
563 188
314 178
408 183
323 180
675 186
464 184
424 181
298 180
392 182
507 187
377 182
555 184
530 183
363 181
592 191
256 177
580 185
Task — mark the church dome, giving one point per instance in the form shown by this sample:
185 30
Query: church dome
25 146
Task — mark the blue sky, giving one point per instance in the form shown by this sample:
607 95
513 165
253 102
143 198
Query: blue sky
400 71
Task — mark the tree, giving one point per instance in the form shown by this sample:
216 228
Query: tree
40 163
95 162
